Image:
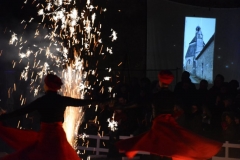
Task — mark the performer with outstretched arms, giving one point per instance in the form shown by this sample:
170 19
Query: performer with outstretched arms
166 138
50 143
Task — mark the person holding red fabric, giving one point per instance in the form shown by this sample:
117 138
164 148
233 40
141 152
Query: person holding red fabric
166 138
50 143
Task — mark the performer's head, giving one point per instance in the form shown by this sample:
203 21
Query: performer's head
165 78
52 83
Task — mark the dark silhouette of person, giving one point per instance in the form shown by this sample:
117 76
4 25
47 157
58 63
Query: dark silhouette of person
50 142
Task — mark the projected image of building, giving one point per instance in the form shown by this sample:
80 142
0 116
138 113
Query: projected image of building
199 57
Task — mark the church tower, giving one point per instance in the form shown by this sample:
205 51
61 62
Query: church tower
195 47
199 41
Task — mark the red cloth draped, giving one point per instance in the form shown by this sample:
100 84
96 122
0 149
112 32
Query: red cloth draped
167 138
48 144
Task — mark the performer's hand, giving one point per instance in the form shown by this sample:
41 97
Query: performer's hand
2 111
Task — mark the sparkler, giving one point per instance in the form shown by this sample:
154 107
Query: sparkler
69 38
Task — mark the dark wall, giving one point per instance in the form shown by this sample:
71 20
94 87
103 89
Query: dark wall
166 34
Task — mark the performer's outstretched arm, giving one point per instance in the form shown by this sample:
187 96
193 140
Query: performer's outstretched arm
27 109
69 101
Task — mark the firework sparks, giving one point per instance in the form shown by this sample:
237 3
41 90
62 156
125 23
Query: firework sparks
112 124
83 136
13 39
114 35
73 87
71 36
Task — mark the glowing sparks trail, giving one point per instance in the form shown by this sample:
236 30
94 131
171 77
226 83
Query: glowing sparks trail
83 136
112 124
67 39
73 87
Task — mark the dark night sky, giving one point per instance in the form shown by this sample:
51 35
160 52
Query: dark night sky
130 25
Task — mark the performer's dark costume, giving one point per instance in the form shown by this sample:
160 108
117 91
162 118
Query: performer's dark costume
163 102
50 142
166 138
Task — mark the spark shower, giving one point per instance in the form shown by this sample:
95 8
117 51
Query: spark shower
67 41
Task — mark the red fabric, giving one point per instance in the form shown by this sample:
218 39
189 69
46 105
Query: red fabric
165 76
167 138
17 138
53 82
48 144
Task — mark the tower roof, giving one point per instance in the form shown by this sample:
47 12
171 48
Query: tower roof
191 49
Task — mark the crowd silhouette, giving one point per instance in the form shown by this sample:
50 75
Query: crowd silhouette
212 112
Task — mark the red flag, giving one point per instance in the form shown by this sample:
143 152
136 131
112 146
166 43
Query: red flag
167 138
